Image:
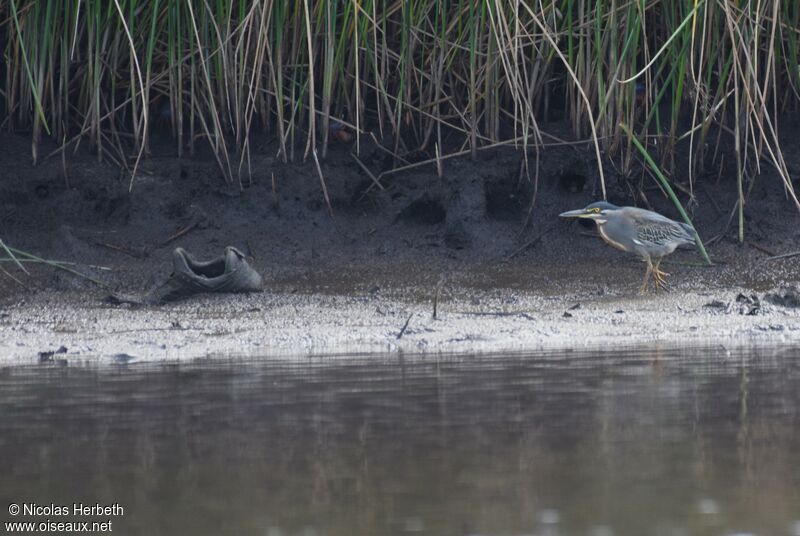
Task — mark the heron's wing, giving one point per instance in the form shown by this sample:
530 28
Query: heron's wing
654 229
644 216
660 232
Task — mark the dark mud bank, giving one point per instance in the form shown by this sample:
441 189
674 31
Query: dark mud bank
470 236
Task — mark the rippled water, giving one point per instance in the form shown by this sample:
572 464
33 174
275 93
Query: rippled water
636 442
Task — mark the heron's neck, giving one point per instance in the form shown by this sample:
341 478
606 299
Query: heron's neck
606 237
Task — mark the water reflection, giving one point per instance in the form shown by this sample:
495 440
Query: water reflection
640 442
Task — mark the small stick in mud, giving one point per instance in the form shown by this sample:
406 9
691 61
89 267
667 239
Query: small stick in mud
761 248
137 253
436 295
17 281
366 170
529 243
179 234
784 256
405 326
322 182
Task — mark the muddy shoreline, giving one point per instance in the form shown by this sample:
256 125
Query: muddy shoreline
368 318
348 277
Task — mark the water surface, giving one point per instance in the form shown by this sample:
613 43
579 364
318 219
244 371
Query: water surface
699 441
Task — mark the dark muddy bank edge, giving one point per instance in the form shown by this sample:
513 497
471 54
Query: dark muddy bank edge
352 280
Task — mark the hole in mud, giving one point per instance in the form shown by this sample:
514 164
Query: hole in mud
572 182
42 191
504 200
424 211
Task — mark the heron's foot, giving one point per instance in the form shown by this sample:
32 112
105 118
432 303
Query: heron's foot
660 280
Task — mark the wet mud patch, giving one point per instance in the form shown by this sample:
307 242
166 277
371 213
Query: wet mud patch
507 198
426 210
571 181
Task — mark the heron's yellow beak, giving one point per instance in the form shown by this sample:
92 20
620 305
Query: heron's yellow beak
579 213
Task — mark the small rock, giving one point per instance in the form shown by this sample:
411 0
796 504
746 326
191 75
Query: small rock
749 305
44 357
785 297
716 304
567 315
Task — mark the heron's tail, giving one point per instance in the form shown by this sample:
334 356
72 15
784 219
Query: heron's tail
691 234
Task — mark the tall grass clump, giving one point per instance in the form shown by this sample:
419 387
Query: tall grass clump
694 72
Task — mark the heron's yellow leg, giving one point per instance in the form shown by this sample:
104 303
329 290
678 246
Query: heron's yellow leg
659 276
643 288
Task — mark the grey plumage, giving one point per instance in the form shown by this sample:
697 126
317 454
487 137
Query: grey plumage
642 232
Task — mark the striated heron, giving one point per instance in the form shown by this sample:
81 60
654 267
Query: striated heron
641 232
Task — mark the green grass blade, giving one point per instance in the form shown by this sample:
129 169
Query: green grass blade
667 187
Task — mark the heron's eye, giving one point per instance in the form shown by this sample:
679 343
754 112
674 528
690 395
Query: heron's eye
596 210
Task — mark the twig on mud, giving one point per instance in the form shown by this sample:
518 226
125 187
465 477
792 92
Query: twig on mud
367 171
497 313
529 243
17 281
715 239
784 256
405 326
761 248
322 182
138 253
179 234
